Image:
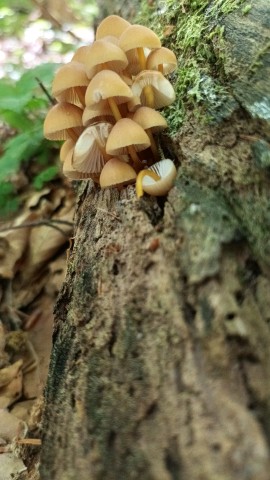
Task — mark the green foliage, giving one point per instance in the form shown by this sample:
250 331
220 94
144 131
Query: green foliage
23 106
45 176
9 203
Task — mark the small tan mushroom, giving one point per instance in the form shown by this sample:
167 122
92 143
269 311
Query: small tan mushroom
116 173
89 154
127 137
153 89
134 40
104 55
111 25
163 60
107 87
70 82
157 180
151 121
63 121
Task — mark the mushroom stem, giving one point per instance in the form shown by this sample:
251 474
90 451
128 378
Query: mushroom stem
153 143
131 149
140 176
73 134
114 108
149 96
160 68
142 59
136 161
148 91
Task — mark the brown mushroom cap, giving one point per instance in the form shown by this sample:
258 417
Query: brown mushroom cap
60 118
162 56
166 170
65 149
105 54
81 54
107 84
137 36
111 25
89 154
124 133
149 118
67 83
116 172
163 92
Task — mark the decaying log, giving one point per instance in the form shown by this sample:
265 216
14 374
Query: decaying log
161 359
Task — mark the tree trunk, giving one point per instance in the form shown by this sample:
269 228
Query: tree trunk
161 357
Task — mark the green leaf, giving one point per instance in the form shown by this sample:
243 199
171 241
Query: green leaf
45 74
46 176
18 149
9 203
16 120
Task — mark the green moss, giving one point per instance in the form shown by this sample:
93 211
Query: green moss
190 28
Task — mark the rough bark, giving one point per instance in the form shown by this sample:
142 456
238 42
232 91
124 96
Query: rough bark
161 358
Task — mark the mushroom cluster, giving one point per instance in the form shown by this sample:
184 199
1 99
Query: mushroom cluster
106 111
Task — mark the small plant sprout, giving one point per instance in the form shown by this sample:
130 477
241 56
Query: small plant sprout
157 180
106 112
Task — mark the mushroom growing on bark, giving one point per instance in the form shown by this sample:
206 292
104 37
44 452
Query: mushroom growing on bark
157 180
119 83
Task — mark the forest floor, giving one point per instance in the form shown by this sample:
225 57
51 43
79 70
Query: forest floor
33 253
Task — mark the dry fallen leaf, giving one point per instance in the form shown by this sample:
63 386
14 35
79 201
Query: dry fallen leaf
11 426
10 466
8 373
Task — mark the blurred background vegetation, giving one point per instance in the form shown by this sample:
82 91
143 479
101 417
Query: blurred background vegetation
36 37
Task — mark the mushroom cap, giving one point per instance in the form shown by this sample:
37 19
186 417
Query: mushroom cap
107 84
67 79
70 172
116 172
163 91
88 156
137 36
81 54
60 118
149 118
164 169
111 25
124 133
162 56
95 114
103 52
65 149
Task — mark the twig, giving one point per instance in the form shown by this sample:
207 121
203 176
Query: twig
39 223
44 89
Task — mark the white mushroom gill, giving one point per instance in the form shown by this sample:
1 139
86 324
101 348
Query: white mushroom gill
157 180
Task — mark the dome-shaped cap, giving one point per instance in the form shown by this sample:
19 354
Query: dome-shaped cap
111 25
116 172
137 36
60 118
124 133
